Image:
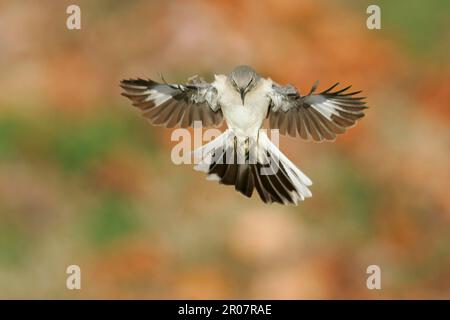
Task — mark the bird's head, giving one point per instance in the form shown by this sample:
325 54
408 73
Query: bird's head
243 79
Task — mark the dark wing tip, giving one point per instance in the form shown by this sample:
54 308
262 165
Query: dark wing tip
136 83
330 88
344 95
314 87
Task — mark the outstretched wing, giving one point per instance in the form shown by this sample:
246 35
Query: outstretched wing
318 116
175 104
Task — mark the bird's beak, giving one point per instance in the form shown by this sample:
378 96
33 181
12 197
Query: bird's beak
242 91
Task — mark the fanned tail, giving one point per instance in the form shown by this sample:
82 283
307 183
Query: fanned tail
253 164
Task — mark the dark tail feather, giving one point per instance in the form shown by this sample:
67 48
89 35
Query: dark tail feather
275 178
244 180
232 173
246 177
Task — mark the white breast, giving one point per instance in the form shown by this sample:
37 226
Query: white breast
247 119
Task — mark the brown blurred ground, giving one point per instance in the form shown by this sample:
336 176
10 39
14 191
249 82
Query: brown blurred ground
84 180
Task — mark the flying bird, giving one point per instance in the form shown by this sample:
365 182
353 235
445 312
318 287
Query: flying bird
243 156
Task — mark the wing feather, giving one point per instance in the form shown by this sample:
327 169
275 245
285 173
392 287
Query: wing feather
175 104
318 116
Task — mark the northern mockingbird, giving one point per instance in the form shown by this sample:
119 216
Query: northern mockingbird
244 99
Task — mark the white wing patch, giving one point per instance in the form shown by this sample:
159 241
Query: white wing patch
318 116
159 97
322 105
175 104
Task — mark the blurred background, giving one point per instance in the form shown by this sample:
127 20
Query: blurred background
85 180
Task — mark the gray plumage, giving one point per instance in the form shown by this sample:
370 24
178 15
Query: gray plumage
314 116
244 99
172 105
244 79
